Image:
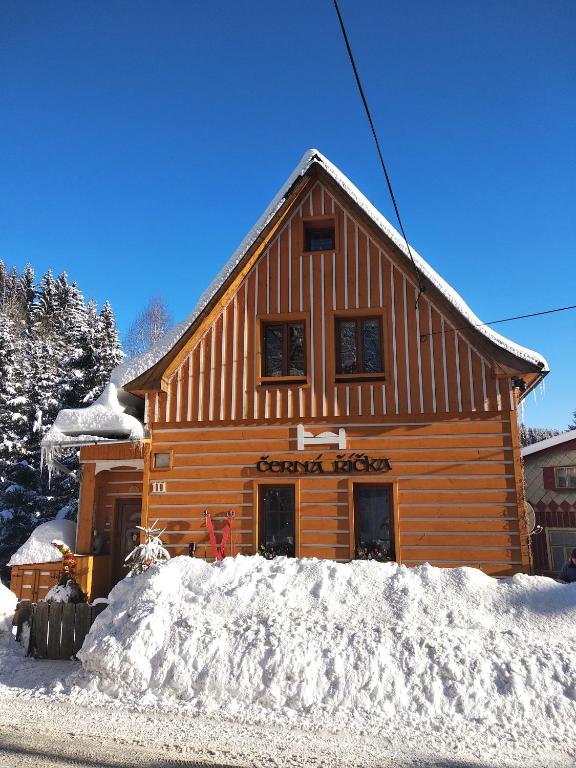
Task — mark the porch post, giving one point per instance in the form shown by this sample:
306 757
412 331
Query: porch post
86 509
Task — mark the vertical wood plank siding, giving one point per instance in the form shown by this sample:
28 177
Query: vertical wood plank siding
424 374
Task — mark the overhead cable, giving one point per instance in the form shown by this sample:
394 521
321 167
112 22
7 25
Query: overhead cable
494 322
417 272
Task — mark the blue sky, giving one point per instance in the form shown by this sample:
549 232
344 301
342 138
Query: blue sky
141 140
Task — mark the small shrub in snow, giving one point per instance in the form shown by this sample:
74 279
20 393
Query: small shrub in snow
150 553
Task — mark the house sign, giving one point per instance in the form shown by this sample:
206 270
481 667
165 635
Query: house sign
351 464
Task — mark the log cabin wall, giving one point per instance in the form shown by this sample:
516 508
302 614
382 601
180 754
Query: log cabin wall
442 413
430 368
454 489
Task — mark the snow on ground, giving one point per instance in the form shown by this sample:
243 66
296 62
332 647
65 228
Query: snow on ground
7 605
38 546
361 647
304 662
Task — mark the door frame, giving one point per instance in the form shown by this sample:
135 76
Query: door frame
394 512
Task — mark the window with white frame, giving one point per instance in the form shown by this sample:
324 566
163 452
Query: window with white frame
565 477
561 542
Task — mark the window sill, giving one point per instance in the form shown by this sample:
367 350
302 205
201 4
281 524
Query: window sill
264 381
346 378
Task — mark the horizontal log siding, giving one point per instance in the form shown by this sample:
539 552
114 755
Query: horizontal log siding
424 374
456 491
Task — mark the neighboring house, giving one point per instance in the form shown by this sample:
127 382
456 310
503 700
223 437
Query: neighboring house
314 391
550 483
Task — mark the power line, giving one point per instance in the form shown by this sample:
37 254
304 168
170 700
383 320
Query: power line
503 320
373 129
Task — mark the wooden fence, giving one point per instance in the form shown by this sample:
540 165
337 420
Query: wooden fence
58 630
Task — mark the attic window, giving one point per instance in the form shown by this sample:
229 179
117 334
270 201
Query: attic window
319 235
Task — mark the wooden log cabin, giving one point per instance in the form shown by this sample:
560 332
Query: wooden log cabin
316 391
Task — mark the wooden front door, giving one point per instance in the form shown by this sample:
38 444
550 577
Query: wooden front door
127 535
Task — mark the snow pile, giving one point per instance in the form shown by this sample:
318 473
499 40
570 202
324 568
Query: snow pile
106 416
358 644
38 547
105 419
8 602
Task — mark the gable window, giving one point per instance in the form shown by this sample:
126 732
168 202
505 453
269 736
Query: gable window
359 345
565 477
319 236
284 349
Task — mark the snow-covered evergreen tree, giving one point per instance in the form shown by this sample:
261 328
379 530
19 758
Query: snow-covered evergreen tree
55 352
530 435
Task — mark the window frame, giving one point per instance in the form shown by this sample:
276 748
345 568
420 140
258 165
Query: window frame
153 466
319 222
570 470
394 513
284 319
359 318
549 546
260 527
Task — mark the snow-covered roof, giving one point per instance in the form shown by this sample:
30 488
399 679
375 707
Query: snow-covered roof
550 442
38 546
131 369
105 419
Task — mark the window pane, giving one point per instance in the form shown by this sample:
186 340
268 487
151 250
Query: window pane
372 347
161 460
560 477
296 358
274 350
558 558
572 477
277 519
348 362
565 538
372 522
320 239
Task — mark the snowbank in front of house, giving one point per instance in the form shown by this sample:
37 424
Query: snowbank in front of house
38 546
8 602
343 645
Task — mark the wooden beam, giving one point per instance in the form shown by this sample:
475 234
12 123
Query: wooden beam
86 509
